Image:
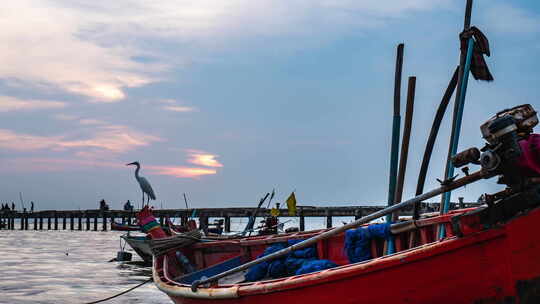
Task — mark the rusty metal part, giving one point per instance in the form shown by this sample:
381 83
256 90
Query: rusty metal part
469 156
524 115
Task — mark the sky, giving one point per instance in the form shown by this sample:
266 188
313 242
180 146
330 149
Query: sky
226 100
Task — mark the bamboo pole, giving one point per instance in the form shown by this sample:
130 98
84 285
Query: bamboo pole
411 89
396 122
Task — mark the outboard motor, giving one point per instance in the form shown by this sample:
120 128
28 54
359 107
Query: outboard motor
502 153
513 153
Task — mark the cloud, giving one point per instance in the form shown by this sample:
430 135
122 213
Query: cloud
507 19
180 172
202 158
94 49
179 108
110 138
50 51
9 104
90 121
65 117
39 164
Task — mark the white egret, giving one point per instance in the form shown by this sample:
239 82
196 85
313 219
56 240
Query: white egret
143 183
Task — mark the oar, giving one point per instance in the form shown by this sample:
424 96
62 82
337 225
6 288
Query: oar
185 200
325 235
253 217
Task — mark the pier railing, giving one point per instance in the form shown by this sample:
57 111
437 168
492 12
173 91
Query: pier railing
101 220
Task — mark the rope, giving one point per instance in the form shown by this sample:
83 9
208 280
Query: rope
119 294
160 246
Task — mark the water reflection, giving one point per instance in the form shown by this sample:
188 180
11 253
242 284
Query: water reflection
69 267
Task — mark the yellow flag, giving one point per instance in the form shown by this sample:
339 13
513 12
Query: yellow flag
274 211
291 204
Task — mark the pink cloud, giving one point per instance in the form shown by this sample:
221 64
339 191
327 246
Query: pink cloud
31 164
8 104
111 138
202 158
180 172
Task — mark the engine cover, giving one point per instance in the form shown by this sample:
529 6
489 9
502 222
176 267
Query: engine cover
529 161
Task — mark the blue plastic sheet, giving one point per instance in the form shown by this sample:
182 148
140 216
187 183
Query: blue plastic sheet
358 241
297 262
315 265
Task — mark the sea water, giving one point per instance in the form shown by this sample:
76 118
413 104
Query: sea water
72 267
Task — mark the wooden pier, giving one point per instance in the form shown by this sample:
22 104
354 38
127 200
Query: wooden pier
94 220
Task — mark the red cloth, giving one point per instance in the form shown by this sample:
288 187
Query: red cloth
529 161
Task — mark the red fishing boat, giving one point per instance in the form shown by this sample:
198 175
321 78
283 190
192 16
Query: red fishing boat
489 254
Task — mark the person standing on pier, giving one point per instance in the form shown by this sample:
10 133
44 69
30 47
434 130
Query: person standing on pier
128 206
32 207
13 206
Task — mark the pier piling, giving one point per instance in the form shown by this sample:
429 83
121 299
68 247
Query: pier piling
328 213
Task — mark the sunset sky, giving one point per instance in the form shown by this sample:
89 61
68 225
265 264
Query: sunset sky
225 100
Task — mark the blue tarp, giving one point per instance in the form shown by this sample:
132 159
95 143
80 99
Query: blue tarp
297 262
315 265
358 241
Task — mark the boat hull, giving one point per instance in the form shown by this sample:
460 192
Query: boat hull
140 245
498 265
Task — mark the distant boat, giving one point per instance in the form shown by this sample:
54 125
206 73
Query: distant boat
124 227
140 245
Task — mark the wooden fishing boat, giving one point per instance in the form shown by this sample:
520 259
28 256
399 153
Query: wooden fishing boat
470 265
487 254
140 244
124 227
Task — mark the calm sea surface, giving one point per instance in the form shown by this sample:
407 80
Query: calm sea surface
34 266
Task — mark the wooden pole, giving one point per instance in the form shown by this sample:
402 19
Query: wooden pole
396 125
405 142
328 219
302 220
227 223
104 221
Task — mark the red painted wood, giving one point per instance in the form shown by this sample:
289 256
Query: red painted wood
482 267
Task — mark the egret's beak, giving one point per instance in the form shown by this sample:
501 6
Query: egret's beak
130 164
